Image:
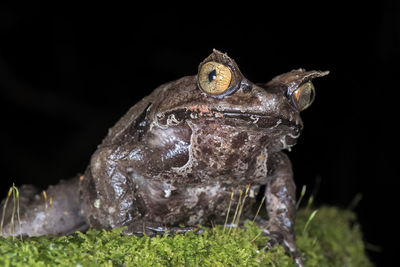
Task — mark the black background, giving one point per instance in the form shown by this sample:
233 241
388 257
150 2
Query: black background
68 73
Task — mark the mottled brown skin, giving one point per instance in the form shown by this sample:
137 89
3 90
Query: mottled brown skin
176 156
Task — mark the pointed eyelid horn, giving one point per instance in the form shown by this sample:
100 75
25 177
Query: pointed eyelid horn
293 79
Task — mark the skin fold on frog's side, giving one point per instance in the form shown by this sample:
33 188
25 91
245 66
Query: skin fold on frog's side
176 157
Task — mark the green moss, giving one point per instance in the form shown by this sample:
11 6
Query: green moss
327 240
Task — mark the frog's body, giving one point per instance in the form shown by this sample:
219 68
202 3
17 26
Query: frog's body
178 154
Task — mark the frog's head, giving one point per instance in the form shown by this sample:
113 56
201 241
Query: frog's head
221 93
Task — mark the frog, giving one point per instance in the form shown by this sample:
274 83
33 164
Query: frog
180 155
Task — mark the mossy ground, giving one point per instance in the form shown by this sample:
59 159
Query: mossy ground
331 238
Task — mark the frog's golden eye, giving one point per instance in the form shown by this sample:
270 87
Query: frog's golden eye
214 78
304 96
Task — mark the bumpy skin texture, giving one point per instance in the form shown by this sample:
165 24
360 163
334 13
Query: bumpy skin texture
176 156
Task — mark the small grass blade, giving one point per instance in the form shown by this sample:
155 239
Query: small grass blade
18 217
4 210
241 207
13 211
310 202
259 208
45 199
309 220
236 211
302 193
229 210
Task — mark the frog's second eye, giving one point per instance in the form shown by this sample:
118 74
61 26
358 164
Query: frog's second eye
304 96
214 78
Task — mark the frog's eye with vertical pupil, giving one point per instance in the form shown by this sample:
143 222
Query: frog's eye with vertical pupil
304 96
214 78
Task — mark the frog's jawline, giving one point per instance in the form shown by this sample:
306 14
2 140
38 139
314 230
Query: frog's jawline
260 120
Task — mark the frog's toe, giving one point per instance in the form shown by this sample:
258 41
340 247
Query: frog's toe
287 240
289 249
274 238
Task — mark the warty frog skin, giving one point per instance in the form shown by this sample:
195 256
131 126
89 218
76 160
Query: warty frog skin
176 156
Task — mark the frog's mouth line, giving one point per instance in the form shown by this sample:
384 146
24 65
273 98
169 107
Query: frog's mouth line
262 121
200 111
